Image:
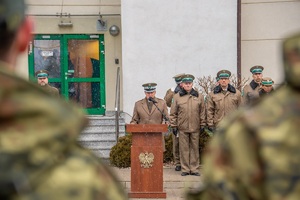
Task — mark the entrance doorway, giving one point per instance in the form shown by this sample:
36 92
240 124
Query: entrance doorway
76 67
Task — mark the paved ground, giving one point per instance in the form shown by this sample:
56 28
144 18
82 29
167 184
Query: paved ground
174 184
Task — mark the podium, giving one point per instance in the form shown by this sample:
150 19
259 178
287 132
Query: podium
146 160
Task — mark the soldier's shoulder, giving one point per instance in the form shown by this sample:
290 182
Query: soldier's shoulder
139 101
170 90
177 95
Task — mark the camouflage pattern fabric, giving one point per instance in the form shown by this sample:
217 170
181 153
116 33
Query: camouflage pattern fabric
39 155
255 153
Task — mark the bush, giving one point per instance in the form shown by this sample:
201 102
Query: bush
120 153
168 154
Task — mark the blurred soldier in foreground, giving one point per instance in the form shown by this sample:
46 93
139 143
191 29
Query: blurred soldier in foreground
250 91
42 78
266 86
255 155
187 117
39 155
168 98
222 101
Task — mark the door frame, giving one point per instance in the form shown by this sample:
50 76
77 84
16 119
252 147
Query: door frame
63 38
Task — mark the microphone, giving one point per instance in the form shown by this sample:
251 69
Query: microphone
151 99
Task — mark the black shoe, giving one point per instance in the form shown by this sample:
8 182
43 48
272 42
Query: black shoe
185 173
195 174
178 168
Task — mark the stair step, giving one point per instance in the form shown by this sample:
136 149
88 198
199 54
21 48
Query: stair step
98 144
90 136
100 135
97 120
103 128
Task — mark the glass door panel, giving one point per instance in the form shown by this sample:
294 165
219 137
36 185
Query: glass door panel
83 74
47 57
76 67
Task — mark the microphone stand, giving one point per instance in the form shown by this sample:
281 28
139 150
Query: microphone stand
164 116
154 103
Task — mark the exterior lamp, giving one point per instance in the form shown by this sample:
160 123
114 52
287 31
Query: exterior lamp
114 30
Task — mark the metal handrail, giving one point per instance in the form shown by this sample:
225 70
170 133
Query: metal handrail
117 104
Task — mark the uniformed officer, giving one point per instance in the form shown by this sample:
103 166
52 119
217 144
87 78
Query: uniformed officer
40 155
170 92
256 153
266 86
42 78
187 117
222 100
145 112
250 91
168 98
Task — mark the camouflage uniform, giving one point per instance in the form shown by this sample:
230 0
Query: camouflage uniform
40 157
255 155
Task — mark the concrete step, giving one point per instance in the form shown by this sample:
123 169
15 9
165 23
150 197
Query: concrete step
104 128
96 136
100 135
103 120
101 153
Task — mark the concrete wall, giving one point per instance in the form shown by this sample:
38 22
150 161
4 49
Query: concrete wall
163 38
264 25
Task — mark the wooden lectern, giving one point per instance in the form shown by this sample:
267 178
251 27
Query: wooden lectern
147 160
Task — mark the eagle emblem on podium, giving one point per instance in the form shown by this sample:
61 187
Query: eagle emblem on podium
146 159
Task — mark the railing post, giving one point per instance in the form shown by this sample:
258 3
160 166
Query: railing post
117 104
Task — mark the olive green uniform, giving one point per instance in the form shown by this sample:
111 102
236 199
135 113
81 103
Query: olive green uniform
188 116
221 103
143 115
51 90
40 157
250 93
168 98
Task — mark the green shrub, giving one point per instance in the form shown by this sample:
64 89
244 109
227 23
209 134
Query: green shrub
120 153
168 154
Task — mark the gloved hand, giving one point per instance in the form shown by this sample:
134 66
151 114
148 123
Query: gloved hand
175 130
211 129
202 130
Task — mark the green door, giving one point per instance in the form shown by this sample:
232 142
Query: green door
76 67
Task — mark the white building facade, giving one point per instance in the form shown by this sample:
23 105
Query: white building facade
157 40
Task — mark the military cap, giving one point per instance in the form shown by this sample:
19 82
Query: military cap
256 69
12 13
187 78
41 73
223 74
178 78
149 87
267 81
